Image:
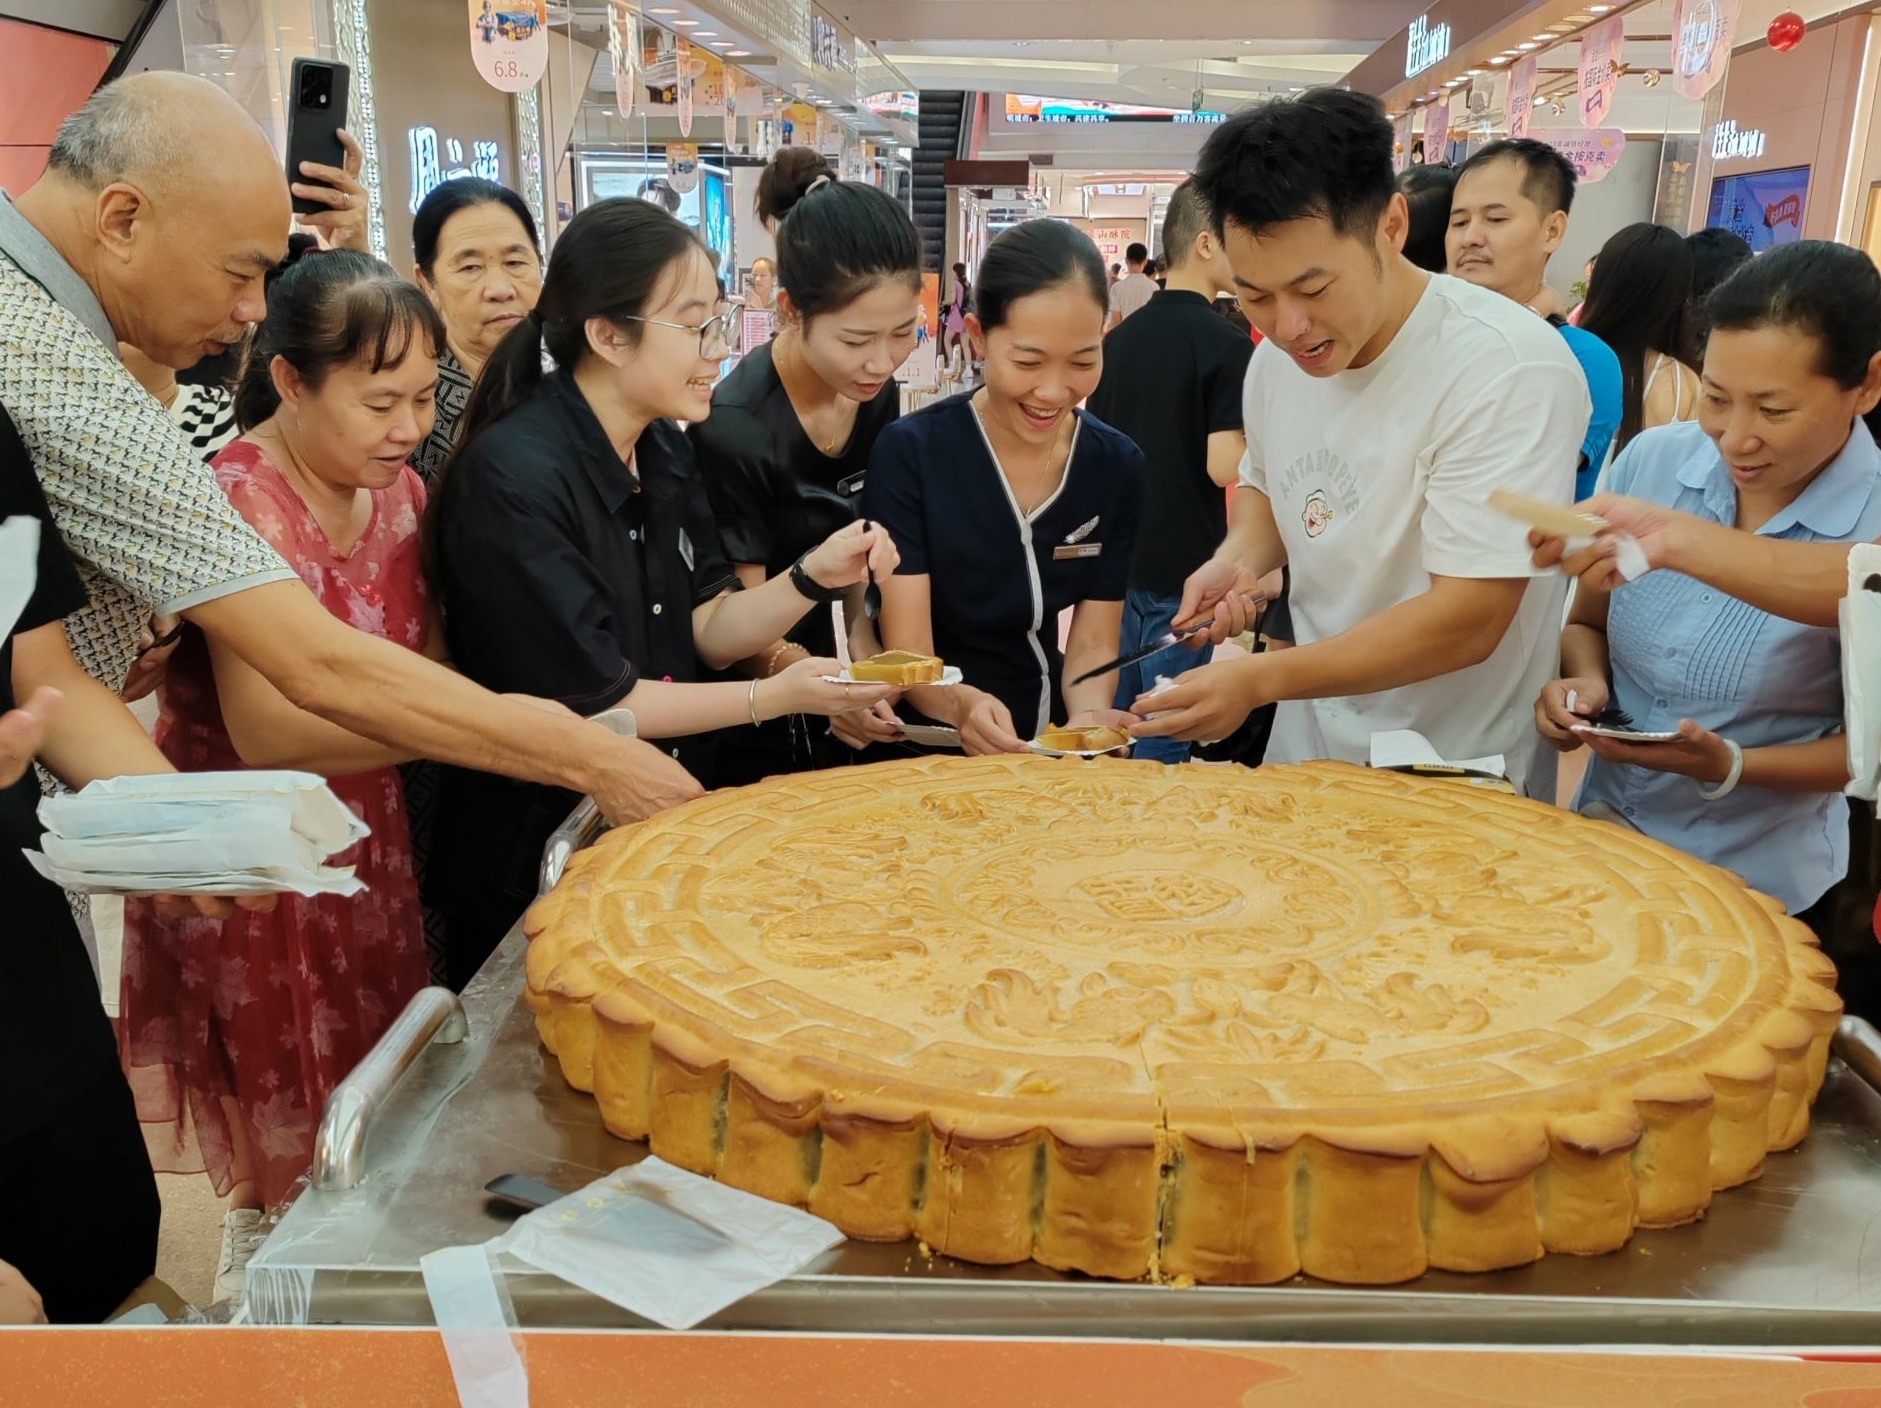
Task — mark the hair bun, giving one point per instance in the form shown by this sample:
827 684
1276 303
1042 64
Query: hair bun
791 175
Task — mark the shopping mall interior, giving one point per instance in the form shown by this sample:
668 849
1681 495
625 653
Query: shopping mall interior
1502 1279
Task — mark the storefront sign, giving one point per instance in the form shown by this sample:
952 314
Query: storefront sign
1428 45
1592 154
1521 97
1702 34
831 46
509 42
1601 46
431 166
1729 142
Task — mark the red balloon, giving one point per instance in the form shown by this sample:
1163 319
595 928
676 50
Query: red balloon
1786 31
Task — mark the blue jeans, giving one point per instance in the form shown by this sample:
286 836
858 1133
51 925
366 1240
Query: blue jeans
1147 615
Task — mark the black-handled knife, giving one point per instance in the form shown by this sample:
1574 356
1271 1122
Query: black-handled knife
1160 644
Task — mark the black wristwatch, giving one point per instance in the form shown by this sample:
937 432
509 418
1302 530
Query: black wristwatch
811 588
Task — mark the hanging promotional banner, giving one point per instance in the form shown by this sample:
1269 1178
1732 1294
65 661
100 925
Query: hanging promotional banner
1521 97
687 83
510 46
1601 46
766 137
1703 32
734 86
623 47
682 167
1592 154
1401 154
1437 130
709 94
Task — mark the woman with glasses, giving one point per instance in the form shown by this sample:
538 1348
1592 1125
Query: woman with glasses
786 451
576 554
479 260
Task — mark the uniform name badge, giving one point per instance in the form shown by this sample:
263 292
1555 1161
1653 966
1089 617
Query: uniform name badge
1071 552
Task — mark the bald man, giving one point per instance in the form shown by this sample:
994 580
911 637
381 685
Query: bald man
162 208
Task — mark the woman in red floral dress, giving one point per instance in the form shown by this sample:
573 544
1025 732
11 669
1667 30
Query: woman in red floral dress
235 1032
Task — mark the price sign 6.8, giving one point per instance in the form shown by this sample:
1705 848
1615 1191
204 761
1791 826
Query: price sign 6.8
509 42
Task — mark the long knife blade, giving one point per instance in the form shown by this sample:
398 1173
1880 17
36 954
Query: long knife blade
1161 643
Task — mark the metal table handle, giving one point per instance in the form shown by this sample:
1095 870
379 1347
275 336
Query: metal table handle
585 823
1859 1044
339 1157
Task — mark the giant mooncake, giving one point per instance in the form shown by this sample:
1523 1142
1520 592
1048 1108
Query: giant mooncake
1197 1022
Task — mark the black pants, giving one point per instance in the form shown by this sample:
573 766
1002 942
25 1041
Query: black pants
78 1203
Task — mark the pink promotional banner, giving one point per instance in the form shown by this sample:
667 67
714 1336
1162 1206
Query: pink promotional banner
1592 154
510 46
687 84
1401 157
1437 130
1601 46
1521 97
1703 32
623 46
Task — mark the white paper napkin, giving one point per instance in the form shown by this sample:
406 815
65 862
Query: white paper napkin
1404 748
1861 672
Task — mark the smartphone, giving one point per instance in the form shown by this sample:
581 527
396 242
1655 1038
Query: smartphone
316 90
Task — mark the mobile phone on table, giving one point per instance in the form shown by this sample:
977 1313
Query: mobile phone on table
316 111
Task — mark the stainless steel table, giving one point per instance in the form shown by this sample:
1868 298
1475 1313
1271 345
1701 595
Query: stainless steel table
1793 1259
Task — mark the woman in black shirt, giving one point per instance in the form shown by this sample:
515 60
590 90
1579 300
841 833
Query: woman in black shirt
1010 506
786 451
576 555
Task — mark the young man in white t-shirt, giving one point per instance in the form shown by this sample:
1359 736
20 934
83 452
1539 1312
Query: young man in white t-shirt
1383 407
1134 289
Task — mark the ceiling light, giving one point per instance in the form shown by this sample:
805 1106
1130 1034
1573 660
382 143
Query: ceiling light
1565 27
738 53
719 44
705 34
1598 9
1500 59
662 12
685 24
1526 47
1541 38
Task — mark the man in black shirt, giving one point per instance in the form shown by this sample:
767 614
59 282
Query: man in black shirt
1172 383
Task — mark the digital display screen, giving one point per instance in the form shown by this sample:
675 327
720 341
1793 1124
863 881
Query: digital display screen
1763 208
1025 108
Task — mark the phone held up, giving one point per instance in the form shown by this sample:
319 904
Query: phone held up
314 119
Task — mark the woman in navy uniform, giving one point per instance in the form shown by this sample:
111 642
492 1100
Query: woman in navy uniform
1010 506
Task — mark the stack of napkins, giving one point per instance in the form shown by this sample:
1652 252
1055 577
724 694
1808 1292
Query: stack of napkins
202 833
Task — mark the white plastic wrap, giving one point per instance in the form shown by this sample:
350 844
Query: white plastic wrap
19 569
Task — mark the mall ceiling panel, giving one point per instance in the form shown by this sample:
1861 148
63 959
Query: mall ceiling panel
893 22
103 19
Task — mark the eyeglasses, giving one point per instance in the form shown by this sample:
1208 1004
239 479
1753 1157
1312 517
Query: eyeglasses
715 334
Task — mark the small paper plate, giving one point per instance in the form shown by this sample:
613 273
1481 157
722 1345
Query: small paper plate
1045 752
949 676
1622 734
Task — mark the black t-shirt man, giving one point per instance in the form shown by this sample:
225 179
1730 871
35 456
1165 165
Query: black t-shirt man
1172 377
69 1136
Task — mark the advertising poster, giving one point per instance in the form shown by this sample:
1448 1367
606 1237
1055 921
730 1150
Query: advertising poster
1600 69
1401 153
921 372
1593 154
734 83
682 166
623 47
509 43
1437 130
1703 32
1521 97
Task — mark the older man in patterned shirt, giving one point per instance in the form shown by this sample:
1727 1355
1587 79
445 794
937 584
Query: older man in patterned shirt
163 208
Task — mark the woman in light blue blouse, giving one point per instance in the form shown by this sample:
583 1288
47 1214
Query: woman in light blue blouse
1780 450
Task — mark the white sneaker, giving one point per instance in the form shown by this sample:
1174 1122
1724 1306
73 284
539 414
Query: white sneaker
243 1232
